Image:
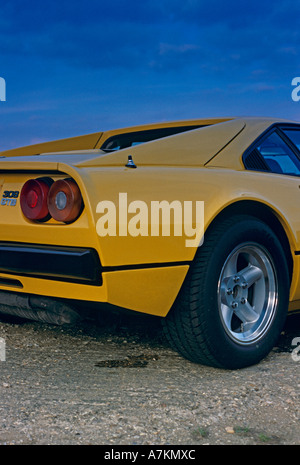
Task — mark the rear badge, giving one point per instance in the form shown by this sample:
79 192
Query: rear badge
9 198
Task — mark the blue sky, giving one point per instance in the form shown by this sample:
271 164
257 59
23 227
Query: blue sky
78 67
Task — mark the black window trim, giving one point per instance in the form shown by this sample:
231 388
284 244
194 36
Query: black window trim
286 139
158 133
279 129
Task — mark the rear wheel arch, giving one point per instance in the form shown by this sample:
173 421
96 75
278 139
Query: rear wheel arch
262 212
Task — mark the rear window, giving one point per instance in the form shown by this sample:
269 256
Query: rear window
130 139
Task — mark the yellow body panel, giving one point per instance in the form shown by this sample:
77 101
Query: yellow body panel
85 142
200 165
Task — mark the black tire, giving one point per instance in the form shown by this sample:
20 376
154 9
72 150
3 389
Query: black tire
218 320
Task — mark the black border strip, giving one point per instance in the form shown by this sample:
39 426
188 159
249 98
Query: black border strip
64 263
142 266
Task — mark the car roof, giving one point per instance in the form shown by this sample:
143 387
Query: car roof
97 139
199 147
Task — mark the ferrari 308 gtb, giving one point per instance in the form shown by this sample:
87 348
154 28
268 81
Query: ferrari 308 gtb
196 222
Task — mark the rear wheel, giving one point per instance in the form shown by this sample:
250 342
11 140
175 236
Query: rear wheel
233 304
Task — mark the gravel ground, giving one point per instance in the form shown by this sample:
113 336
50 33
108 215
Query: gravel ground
118 383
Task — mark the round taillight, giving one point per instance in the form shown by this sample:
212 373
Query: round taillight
33 199
64 200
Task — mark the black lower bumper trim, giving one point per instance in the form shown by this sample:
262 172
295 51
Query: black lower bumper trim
70 264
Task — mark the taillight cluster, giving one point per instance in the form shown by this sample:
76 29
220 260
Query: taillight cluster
43 198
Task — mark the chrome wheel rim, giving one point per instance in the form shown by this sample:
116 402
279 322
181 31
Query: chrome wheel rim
247 293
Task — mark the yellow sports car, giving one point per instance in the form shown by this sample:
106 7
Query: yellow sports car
197 222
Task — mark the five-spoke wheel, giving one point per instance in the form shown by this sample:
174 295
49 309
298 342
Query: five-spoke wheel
233 304
247 293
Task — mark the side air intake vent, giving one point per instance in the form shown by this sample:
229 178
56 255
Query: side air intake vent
254 161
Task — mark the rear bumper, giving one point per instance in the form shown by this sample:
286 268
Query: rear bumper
68 264
76 273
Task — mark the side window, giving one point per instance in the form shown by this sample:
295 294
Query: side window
278 156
